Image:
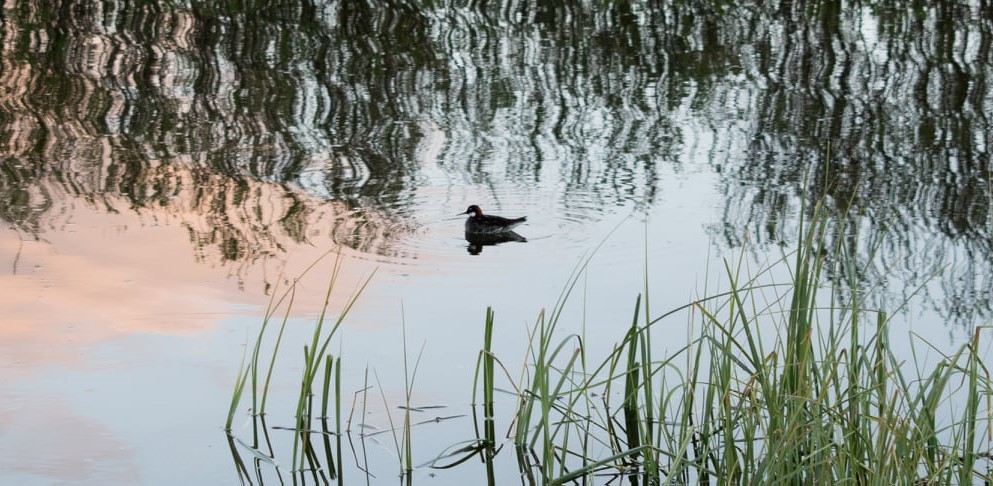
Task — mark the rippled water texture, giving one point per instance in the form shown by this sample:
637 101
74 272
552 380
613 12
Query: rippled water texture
164 167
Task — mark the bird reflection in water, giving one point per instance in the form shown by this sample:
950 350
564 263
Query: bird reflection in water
478 240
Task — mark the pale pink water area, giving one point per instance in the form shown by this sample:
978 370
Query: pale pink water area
115 333
126 273
122 330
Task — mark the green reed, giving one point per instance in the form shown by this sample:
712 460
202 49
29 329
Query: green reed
772 386
404 442
316 352
315 357
789 381
251 368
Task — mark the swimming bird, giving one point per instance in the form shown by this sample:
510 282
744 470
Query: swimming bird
480 223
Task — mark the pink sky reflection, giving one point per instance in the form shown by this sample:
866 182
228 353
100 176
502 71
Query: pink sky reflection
109 275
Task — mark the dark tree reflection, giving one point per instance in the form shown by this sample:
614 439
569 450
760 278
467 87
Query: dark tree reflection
276 119
886 107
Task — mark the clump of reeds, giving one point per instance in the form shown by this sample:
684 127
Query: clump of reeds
786 382
315 356
789 382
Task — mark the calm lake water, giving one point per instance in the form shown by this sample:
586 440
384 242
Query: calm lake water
168 167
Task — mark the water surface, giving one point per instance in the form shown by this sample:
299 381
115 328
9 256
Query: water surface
166 168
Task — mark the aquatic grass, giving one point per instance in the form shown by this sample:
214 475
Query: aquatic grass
789 381
315 353
251 369
332 373
403 443
547 383
485 367
241 379
317 362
